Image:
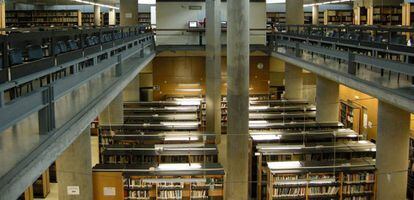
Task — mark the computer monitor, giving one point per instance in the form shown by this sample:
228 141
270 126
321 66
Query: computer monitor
192 24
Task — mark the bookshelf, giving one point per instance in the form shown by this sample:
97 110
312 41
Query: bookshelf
158 183
41 187
410 185
88 19
387 15
276 17
144 18
27 194
308 17
363 16
106 18
269 111
38 18
354 179
291 145
346 114
336 17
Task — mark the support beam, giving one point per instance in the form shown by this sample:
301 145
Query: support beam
113 113
293 82
293 74
3 14
112 17
213 68
327 100
131 92
97 15
237 169
294 12
392 151
315 14
74 169
357 15
129 12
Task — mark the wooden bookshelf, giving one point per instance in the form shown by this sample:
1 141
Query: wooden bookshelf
140 182
41 187
144 18
27 194
336 17
276 17
39 18
387 15
308 17
322 181
88 19
106 18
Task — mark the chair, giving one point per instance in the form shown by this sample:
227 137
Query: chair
34 52
15 57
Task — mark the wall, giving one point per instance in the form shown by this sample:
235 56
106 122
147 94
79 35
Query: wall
175 15
188 72
368 102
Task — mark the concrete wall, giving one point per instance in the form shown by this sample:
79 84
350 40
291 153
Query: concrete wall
175 15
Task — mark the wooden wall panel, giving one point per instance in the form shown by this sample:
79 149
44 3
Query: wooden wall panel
110 180
170 73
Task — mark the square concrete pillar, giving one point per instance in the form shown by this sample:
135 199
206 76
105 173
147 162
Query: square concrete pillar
114 112
327 100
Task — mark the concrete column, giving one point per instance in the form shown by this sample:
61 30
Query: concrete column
97 15
392 151
131 91
213 67
315 14
293 82
327 100
237 169
357 15
74 169
129 12
294 12
113 113
112 17
3 14
293 74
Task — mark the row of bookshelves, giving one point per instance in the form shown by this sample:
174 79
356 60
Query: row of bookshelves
28 18
381 15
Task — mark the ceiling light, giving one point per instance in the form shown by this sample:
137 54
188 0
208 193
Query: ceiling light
179 166
261 137
95 4
180 123
180 138
283 165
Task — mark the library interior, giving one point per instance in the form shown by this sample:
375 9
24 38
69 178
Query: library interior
207 99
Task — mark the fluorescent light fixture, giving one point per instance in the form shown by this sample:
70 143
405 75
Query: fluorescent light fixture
189 101
188 89
275 1
352 135
175 180
95 4
258 122
258 107
179 166
283 165
146 2
190 85
261 137
363 142
280 147
180 123
180 138
180 108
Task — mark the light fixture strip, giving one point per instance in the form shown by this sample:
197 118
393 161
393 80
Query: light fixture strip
95 4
